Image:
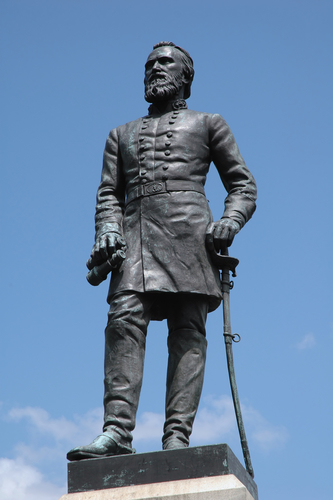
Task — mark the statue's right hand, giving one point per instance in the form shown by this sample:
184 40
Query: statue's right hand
105 246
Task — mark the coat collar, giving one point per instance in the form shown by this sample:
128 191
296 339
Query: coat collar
171 106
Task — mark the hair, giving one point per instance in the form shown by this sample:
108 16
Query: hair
187 63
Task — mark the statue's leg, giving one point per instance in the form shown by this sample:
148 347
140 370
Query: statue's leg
125 340
186 365
124 359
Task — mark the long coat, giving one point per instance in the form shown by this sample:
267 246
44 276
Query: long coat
154 170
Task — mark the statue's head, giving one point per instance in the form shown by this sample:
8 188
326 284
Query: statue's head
168 73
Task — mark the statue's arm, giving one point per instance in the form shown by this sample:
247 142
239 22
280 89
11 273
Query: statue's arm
238 181
110 202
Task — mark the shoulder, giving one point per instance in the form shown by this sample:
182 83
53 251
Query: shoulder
210 118
128 126
125 128
213 123
121 133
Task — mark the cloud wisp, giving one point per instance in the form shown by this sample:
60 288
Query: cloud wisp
265 435
307 342
26 476
216 423
149 427
81 428
20 481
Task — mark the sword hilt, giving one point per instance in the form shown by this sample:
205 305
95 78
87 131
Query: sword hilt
223 261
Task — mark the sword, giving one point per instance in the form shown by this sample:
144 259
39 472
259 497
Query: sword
228 264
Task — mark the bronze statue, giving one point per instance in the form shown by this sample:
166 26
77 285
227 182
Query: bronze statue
151 207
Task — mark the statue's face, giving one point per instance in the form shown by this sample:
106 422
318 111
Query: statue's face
163 61
163 74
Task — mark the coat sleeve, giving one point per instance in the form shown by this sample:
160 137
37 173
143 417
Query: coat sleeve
110 200
236 177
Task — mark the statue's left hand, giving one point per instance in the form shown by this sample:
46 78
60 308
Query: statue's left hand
220 234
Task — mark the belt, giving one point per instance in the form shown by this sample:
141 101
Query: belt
158 187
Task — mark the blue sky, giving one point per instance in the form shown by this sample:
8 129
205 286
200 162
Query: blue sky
70 72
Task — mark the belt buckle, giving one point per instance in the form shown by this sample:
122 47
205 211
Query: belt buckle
154 187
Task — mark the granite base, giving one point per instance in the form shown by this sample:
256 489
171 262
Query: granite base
199 473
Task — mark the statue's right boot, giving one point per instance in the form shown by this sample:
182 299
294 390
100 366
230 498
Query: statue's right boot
124 360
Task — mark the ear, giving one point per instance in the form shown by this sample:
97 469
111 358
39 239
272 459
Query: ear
185 79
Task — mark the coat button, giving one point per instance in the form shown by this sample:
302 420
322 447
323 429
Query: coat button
167 152
168 143
142 157
141 139
143 181
169 134
165 177
171 122
165 167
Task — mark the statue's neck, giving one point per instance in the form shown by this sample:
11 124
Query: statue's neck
167 106
164 106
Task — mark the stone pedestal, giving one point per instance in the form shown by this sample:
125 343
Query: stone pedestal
200 473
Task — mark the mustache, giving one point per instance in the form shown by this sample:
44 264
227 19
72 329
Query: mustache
159 79
159 74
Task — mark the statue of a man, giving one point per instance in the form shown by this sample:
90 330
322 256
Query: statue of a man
151 203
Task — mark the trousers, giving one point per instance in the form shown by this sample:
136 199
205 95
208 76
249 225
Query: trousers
125 341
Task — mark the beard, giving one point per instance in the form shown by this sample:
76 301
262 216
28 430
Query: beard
163 87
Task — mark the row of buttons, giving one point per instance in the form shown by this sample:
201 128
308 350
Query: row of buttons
144 147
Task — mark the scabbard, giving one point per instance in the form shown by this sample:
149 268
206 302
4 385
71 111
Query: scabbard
228 338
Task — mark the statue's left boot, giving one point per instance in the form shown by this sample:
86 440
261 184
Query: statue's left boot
186 367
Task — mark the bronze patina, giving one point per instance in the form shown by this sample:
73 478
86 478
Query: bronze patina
152 217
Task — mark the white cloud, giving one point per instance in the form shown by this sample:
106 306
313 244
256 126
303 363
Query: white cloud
215 419
216 422
266 435
83 428
307 342
19 481
34 454
149 426
59 429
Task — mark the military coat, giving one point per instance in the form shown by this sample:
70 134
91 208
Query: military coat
152 191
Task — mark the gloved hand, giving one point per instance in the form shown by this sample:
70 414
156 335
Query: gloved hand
105 246
220 234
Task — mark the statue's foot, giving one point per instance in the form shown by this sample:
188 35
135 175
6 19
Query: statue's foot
102 446
174 444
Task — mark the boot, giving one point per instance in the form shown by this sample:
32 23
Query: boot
186 366
124 360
